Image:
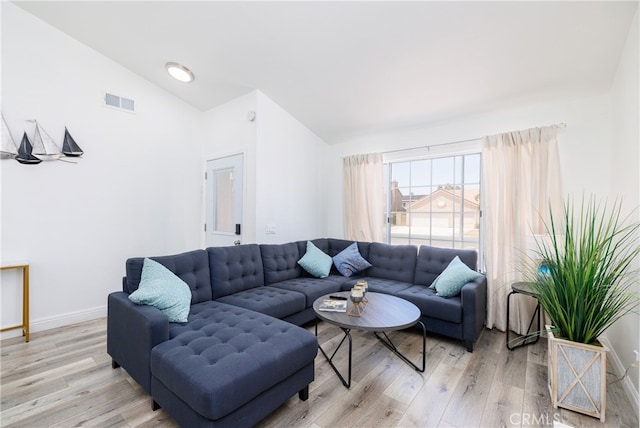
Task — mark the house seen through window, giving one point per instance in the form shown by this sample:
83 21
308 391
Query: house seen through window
434 201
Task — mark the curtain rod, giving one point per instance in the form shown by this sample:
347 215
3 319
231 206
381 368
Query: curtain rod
428 147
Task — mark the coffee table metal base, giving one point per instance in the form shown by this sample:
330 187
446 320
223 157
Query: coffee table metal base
386 341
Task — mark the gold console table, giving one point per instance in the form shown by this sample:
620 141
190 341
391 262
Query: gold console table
25 297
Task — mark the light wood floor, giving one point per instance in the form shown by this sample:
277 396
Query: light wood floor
63 378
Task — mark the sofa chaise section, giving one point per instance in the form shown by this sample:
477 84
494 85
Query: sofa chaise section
228 366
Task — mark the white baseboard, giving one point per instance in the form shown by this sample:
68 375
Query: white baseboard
619 369
58 321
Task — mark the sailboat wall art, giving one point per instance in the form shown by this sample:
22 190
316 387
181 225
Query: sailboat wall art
25 150
9 150
39 148
69 146
44 148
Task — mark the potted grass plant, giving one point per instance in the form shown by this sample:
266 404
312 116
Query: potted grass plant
584 287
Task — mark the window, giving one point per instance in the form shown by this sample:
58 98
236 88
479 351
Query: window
434 201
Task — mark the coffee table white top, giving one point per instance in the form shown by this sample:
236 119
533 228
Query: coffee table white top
383 313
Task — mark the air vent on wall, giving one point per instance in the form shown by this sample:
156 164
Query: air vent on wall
118 102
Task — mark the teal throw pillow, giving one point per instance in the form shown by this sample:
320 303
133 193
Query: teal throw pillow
350 262
315 261
450 282
161 288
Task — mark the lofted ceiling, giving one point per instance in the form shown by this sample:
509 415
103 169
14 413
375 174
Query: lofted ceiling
349 68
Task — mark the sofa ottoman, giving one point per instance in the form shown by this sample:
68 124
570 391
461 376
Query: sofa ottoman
230 366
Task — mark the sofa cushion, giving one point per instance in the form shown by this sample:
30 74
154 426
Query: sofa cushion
337 245
235 268
433 306
432 261
339 278
226 356
379 285
315 261
320 243
161 288
280 262
397 262
312 288
453 278
349 262
268 300
192 267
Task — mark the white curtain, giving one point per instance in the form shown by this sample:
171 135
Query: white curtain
521 182
363 197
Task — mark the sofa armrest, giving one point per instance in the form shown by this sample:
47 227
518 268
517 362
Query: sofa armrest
474 310
132 332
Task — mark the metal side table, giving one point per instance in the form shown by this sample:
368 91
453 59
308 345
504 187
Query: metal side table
523 288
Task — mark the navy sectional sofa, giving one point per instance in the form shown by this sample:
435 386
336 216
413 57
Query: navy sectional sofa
242 352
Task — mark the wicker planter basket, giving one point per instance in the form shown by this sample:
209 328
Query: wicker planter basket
577 376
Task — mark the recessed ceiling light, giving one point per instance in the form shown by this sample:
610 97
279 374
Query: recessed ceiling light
179 72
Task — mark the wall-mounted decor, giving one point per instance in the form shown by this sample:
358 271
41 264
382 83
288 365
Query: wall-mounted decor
69 146
44 148
9 150
25 152
40 148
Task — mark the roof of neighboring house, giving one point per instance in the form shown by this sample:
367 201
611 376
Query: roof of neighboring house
471 197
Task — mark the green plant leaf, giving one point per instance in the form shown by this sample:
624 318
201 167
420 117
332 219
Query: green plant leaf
590 257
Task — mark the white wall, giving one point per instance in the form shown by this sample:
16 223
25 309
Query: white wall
290 187
624 336
133 193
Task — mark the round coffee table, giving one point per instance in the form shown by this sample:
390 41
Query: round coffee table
383 313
